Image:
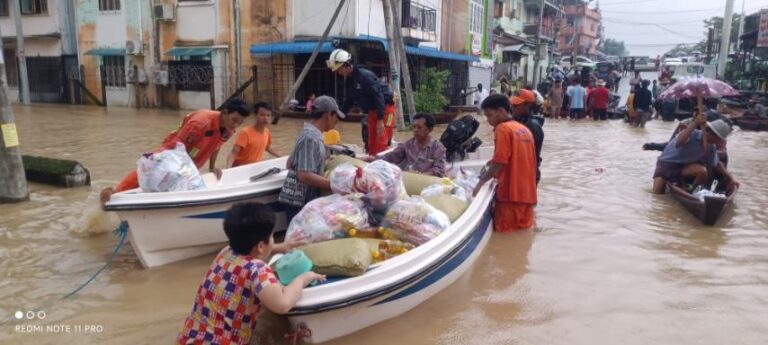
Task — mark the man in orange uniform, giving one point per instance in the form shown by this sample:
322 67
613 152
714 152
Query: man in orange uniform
202 132
514 165
252 141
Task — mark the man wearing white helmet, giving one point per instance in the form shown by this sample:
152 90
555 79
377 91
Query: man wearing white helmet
364 89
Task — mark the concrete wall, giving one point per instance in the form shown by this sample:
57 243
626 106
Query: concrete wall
311 17
33 25
43 34
197 21
194 100
454 35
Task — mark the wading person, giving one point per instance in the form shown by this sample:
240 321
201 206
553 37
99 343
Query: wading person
239 281
555 97
576 94
364 89
422 153
522 105
306 164
685 156
253 141
202 133
513 165
598 101
643 103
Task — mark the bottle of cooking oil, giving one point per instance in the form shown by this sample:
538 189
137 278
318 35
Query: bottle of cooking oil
391 248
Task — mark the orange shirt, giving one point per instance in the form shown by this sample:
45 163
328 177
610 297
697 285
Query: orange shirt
201 134
252 144
515 149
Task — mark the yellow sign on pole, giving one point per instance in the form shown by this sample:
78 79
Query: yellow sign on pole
10 137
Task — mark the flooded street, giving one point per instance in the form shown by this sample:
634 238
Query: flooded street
608 263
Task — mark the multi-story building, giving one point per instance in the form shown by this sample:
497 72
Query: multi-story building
359 29
183 53
518 24
48 28
582 31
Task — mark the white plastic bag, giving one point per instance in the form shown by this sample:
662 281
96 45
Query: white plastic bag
343 179
328 218
443 188
169 171
414 221
382 184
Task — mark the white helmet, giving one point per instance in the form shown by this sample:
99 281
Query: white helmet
338 58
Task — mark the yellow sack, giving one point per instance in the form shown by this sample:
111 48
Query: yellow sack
452 206
346 257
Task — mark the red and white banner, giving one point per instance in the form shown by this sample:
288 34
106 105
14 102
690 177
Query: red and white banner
762 33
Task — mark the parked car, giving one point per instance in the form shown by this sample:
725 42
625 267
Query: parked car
565 62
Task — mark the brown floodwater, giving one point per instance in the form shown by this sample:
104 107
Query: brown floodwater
608 263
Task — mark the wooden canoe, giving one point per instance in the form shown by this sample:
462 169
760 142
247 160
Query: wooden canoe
752 124
707 210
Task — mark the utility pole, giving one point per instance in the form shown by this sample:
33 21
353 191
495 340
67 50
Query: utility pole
13 182
537 57
22 57
393 68
741 26
726 39
710 41
308 66
404 67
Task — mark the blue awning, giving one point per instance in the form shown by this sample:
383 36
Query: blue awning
290 48
106 51
189 51
439 54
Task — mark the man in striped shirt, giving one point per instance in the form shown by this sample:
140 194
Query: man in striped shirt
306 163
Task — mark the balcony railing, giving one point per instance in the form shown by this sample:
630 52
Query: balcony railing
419 17
530 29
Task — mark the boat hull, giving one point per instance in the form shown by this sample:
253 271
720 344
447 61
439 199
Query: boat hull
708 211
330 324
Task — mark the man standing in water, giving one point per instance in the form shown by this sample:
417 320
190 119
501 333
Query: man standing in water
523 104
364 88
202 133
514 166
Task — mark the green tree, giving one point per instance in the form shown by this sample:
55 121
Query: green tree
717 23
614 47
430 96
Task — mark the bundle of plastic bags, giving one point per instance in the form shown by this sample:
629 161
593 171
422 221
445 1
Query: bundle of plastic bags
380 182
328 218
169 171
414 221
446 188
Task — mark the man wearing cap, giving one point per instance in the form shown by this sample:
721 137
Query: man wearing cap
598 101
521 112
514 167
306 164
364 88
686 157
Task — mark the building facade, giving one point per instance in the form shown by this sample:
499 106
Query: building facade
49 33
518 24
582 31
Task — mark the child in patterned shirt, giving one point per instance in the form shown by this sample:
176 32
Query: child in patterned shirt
239 281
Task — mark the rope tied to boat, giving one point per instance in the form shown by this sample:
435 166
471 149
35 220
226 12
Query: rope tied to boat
122 231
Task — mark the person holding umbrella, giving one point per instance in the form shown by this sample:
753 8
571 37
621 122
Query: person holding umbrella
691 154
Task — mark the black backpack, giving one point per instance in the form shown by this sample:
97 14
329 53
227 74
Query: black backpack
457 135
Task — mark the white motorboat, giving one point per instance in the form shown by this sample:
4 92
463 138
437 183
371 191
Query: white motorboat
174 226
394 286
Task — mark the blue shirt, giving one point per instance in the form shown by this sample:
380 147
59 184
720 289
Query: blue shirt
577 94
690 152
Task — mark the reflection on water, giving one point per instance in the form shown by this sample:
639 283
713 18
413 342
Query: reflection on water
607 263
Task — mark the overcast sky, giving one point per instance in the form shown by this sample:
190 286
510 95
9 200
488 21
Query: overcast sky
651 27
